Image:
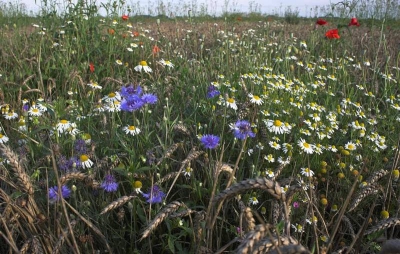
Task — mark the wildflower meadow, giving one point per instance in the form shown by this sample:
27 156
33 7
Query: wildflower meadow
197 133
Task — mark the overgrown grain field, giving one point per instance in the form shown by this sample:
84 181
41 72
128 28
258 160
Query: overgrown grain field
244 133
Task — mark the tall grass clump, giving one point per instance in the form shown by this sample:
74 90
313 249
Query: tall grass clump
140 134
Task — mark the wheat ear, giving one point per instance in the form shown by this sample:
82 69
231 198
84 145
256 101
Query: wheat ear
23 178
270 243
365 191
168 209
383 224
247 215
252 238
262 183
117 203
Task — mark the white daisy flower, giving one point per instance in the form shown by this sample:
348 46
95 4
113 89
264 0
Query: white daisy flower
35 111
255 99
231 103
131 129
307 172
166 63
253 200
305 147
95 85
112 97
269 158
350 146
276 126
10 115
143 66
86 162
63 126
3 139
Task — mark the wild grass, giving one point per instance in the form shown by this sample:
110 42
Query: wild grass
243 133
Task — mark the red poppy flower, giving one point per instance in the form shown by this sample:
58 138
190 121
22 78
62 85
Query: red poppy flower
135 34
125 17
321 22
111 31
156 49
354 22
91 67
332 34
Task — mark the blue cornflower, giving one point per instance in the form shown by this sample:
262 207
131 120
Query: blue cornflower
132 104
80 147
63 163
149 98
53 193
212 92
210 141
155 195
109 184
242 130
129 91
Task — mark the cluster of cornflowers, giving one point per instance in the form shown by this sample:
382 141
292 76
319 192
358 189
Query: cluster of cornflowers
134 98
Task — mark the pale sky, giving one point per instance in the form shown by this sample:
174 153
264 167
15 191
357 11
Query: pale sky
214 6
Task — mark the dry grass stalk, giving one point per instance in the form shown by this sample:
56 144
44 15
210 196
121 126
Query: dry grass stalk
376 176
167 210
252 238
61 240
23 178
370 189
383 224
169 152
117 203
262 183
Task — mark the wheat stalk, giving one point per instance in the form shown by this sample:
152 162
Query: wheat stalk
117 203
262 183
182 213
168 209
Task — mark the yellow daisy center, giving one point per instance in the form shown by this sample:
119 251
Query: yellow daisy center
306 145
84 157
63 121
231 100
132 128
143 63
111 95
255 97
1 135
137 184
35 110
277 123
